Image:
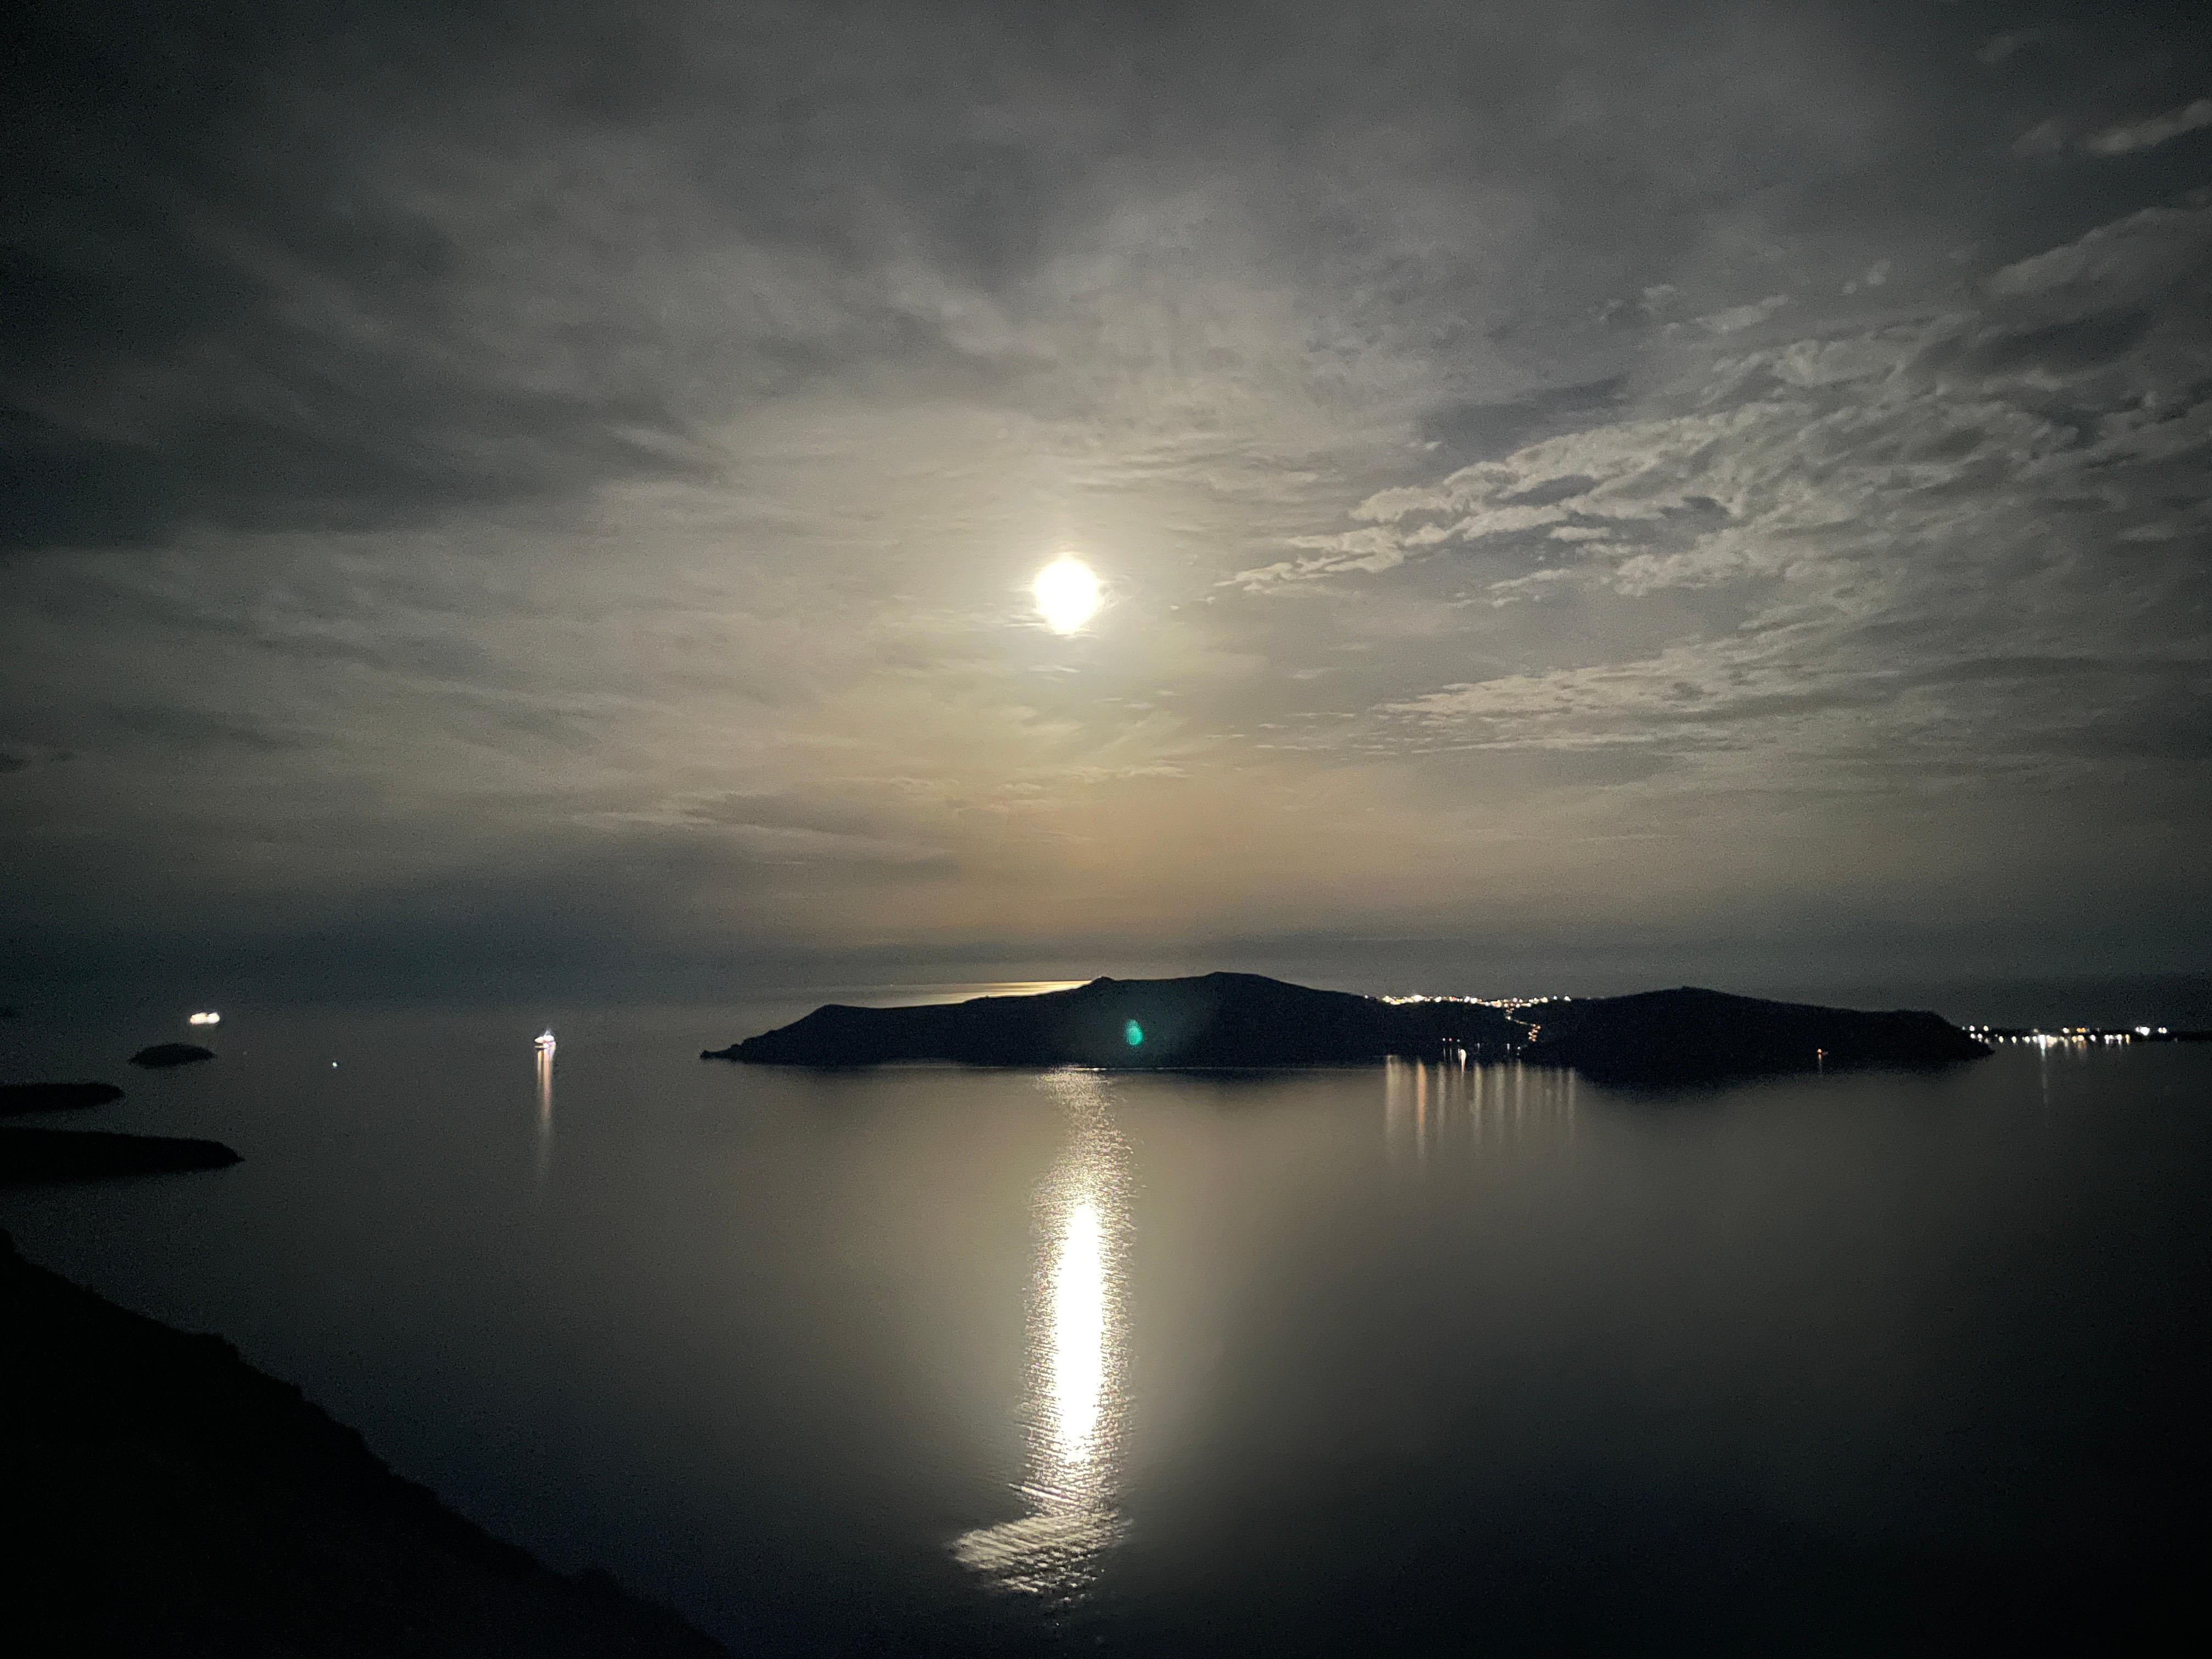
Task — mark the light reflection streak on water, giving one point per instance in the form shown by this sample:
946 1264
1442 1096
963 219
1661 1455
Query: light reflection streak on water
1076 1395
1430 1108
544 1165
1078 1334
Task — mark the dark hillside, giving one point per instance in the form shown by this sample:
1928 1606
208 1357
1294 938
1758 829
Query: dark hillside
170 1500
1246 1020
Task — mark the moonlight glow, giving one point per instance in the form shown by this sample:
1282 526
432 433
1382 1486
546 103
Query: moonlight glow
1067 594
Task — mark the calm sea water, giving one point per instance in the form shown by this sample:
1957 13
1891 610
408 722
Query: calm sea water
1392 1358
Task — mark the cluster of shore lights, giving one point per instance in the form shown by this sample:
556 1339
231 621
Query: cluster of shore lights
2080 1034
209 1017
1485 1002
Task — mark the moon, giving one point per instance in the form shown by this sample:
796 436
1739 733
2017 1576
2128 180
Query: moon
1067 594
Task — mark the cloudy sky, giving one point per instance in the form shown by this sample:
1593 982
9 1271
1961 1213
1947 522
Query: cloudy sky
501 499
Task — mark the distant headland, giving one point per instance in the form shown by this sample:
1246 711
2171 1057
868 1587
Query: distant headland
1682 1036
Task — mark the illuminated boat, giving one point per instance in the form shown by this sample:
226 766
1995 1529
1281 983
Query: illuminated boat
545 1043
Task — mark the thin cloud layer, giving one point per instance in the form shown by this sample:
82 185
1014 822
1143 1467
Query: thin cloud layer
2158 129
539 498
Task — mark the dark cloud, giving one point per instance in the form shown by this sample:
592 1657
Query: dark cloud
360 268
224 311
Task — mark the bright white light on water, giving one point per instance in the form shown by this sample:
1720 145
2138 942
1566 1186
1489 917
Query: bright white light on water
1067 594
208 1018
1078 1334
1076 1403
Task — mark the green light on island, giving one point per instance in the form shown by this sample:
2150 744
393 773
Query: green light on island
1133 1034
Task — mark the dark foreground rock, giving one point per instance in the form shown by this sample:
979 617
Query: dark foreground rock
172 1053
19 1097
172 1500
1244 1019
29 1155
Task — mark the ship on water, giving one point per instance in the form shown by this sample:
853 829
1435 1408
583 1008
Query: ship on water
545 1043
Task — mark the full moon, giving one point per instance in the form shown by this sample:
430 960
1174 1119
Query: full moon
1067 594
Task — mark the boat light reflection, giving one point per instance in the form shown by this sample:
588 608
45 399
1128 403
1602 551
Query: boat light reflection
545 1162
1430 1109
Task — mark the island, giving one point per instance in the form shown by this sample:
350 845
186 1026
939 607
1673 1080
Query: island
1223 1019
1690 1034
171 1053
16 1098
38 1154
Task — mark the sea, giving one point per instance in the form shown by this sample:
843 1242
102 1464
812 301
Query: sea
1391 1359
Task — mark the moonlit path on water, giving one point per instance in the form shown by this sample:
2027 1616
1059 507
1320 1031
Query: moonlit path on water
1077 1353
1076 1372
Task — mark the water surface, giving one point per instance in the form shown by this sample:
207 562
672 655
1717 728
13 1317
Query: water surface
1407 1357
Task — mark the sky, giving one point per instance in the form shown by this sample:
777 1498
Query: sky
1590 495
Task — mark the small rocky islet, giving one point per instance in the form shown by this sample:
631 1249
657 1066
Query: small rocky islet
17 1098
160 1055
40 1155
30 1155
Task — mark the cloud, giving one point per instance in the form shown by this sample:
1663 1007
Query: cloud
2052 136
2140 257
1490 428
1877 274
2150 134
2004 46
1736 318
1872 507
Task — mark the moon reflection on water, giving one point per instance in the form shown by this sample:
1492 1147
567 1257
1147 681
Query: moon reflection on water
1076 1394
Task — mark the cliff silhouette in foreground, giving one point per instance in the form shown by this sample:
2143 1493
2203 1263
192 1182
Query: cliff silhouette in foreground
174 1500
1249 1020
